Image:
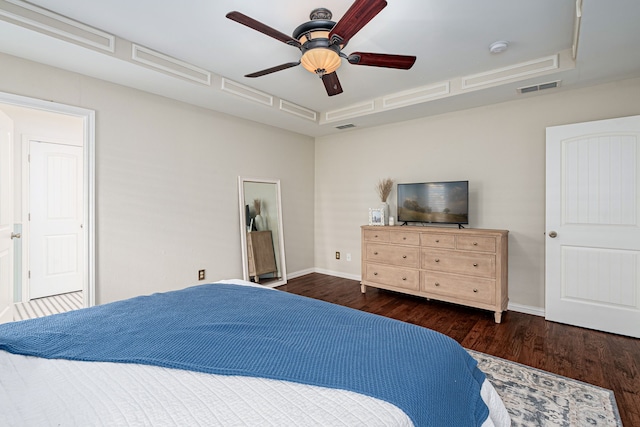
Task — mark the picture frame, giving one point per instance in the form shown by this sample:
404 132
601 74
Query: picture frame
376 216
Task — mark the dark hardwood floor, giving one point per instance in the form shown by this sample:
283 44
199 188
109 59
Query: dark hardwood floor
605 360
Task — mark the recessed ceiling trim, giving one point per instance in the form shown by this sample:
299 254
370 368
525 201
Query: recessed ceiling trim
415 96
297 110
169 65
351 111
246 92
517 71
576 30
58 26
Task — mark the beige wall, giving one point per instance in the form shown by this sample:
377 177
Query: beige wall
166 181
166 178
500 149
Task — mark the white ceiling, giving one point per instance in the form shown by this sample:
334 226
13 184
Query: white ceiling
450 39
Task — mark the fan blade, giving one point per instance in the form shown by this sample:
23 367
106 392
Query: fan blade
273 69
402 62
264 29
358 15
332 84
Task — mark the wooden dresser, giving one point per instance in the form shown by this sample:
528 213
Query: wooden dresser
463 266
260 254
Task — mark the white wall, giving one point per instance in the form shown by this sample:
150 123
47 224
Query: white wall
166 181
499 148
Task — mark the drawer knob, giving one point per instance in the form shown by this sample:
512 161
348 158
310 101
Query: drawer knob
475 290
375 273
475 264
376 236
475 243
375 253
437 284
404 278
404 238
437 240
437 260
404 256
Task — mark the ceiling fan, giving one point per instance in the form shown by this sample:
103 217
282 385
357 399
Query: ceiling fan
321 42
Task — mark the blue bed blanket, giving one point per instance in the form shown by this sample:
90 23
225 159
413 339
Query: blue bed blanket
241 330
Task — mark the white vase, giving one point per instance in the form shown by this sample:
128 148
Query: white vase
259 222
385 208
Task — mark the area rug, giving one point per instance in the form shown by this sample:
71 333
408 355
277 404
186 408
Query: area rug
538 398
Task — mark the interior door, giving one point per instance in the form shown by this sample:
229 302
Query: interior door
6 219
56 212
593 225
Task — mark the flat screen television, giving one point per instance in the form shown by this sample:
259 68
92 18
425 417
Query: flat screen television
434 202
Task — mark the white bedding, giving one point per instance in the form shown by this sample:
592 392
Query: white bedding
42 392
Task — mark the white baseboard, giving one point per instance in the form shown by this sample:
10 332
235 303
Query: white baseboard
338 274
520 308
300 273
526 309
323 271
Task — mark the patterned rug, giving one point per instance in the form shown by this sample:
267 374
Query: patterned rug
538 398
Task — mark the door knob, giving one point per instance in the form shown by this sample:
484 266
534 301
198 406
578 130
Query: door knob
16 235
553 234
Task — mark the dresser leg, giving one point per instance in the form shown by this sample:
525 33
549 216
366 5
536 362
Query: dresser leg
498 316
363 288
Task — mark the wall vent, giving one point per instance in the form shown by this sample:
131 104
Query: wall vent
347 126
541 86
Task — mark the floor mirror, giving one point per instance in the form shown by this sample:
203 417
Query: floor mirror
261 232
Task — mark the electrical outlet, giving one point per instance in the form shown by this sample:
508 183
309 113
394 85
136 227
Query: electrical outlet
348 257
337 255
200 274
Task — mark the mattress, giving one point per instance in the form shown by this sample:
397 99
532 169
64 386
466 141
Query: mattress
38 391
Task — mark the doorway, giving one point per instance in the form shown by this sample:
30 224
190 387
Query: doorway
84 257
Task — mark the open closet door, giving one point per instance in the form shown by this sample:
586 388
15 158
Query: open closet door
593 225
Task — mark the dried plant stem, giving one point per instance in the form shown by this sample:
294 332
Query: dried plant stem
384 188
256 206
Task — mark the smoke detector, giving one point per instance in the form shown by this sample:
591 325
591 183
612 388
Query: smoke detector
499 46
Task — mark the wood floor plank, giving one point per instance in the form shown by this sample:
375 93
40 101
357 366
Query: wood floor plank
606 360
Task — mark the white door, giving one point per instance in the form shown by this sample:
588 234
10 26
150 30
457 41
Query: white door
55 207
593 225
6 218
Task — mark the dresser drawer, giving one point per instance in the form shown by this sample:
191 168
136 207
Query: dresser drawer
458 287
481 265
404 256
404 238
376 235
434 240
476 243
392 276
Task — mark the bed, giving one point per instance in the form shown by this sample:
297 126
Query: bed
232 353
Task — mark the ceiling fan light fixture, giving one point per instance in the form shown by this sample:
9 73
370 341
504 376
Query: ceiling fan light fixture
321 60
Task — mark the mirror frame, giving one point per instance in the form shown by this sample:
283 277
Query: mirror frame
282 267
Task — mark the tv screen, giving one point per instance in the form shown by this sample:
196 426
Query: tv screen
434 202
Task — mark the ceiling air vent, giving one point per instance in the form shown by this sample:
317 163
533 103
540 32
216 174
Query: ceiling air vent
541 86
347 126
